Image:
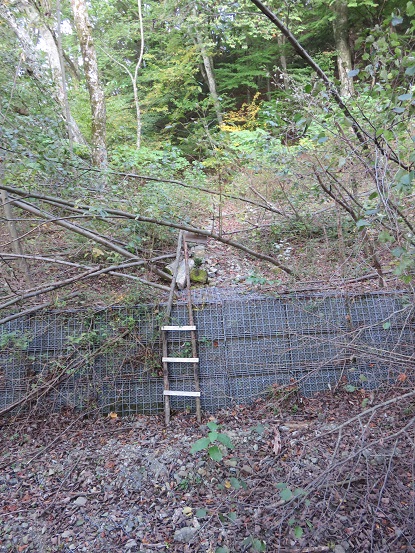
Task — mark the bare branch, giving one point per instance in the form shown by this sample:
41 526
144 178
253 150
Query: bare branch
160 222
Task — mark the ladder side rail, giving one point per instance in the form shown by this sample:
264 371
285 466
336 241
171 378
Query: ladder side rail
192 334
167 410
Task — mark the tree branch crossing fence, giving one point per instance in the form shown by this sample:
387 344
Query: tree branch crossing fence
110 358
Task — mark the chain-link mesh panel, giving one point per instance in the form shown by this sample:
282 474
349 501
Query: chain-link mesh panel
111 358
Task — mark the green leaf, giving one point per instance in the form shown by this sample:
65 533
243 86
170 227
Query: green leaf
308 88
235 483
396 20
349 388
212 425
286 494
410 9
365 402
373 195
225 440
213 436
232 516
387 325
258 545
385 237
203 443
362 223
363 378
201 513
353 72
259 429
405 97
398 251
223 549
298 532
410 71
215 453
281 485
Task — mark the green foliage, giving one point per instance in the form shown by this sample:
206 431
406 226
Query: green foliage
15 340
255 544
208 443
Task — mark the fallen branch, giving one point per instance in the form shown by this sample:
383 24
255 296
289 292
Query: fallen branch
159 222
34 309
90 272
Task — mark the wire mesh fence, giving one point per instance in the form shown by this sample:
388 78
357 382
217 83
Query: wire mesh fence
111 358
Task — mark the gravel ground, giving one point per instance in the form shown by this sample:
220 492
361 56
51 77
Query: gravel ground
299 478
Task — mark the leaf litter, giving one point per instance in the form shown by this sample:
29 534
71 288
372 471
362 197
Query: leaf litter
299 478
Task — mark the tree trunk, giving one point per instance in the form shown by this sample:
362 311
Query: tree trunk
31 51
63 75
283 60
11 225
210 76
344 55
96 92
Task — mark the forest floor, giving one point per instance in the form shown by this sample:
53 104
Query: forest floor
309 475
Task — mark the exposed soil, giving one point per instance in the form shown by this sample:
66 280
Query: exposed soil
297 480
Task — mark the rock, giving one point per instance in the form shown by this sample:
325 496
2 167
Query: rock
130 544
339 549
80 501
185 535
199 251
199 276
181 274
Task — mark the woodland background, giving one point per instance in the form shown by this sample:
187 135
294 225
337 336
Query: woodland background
122 122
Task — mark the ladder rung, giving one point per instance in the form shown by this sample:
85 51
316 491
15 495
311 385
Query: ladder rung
174 393
178 328
180 359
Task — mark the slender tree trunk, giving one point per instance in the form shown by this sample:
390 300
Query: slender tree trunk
134 80
344 55
210 76
283 60
63 75
31 52
11 225
96 92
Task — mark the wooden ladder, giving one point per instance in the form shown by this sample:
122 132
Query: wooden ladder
190 328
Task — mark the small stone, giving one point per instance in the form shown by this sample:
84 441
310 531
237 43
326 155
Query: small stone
66 534
80 501
130 544
284 428
185 535
339 549
199 276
